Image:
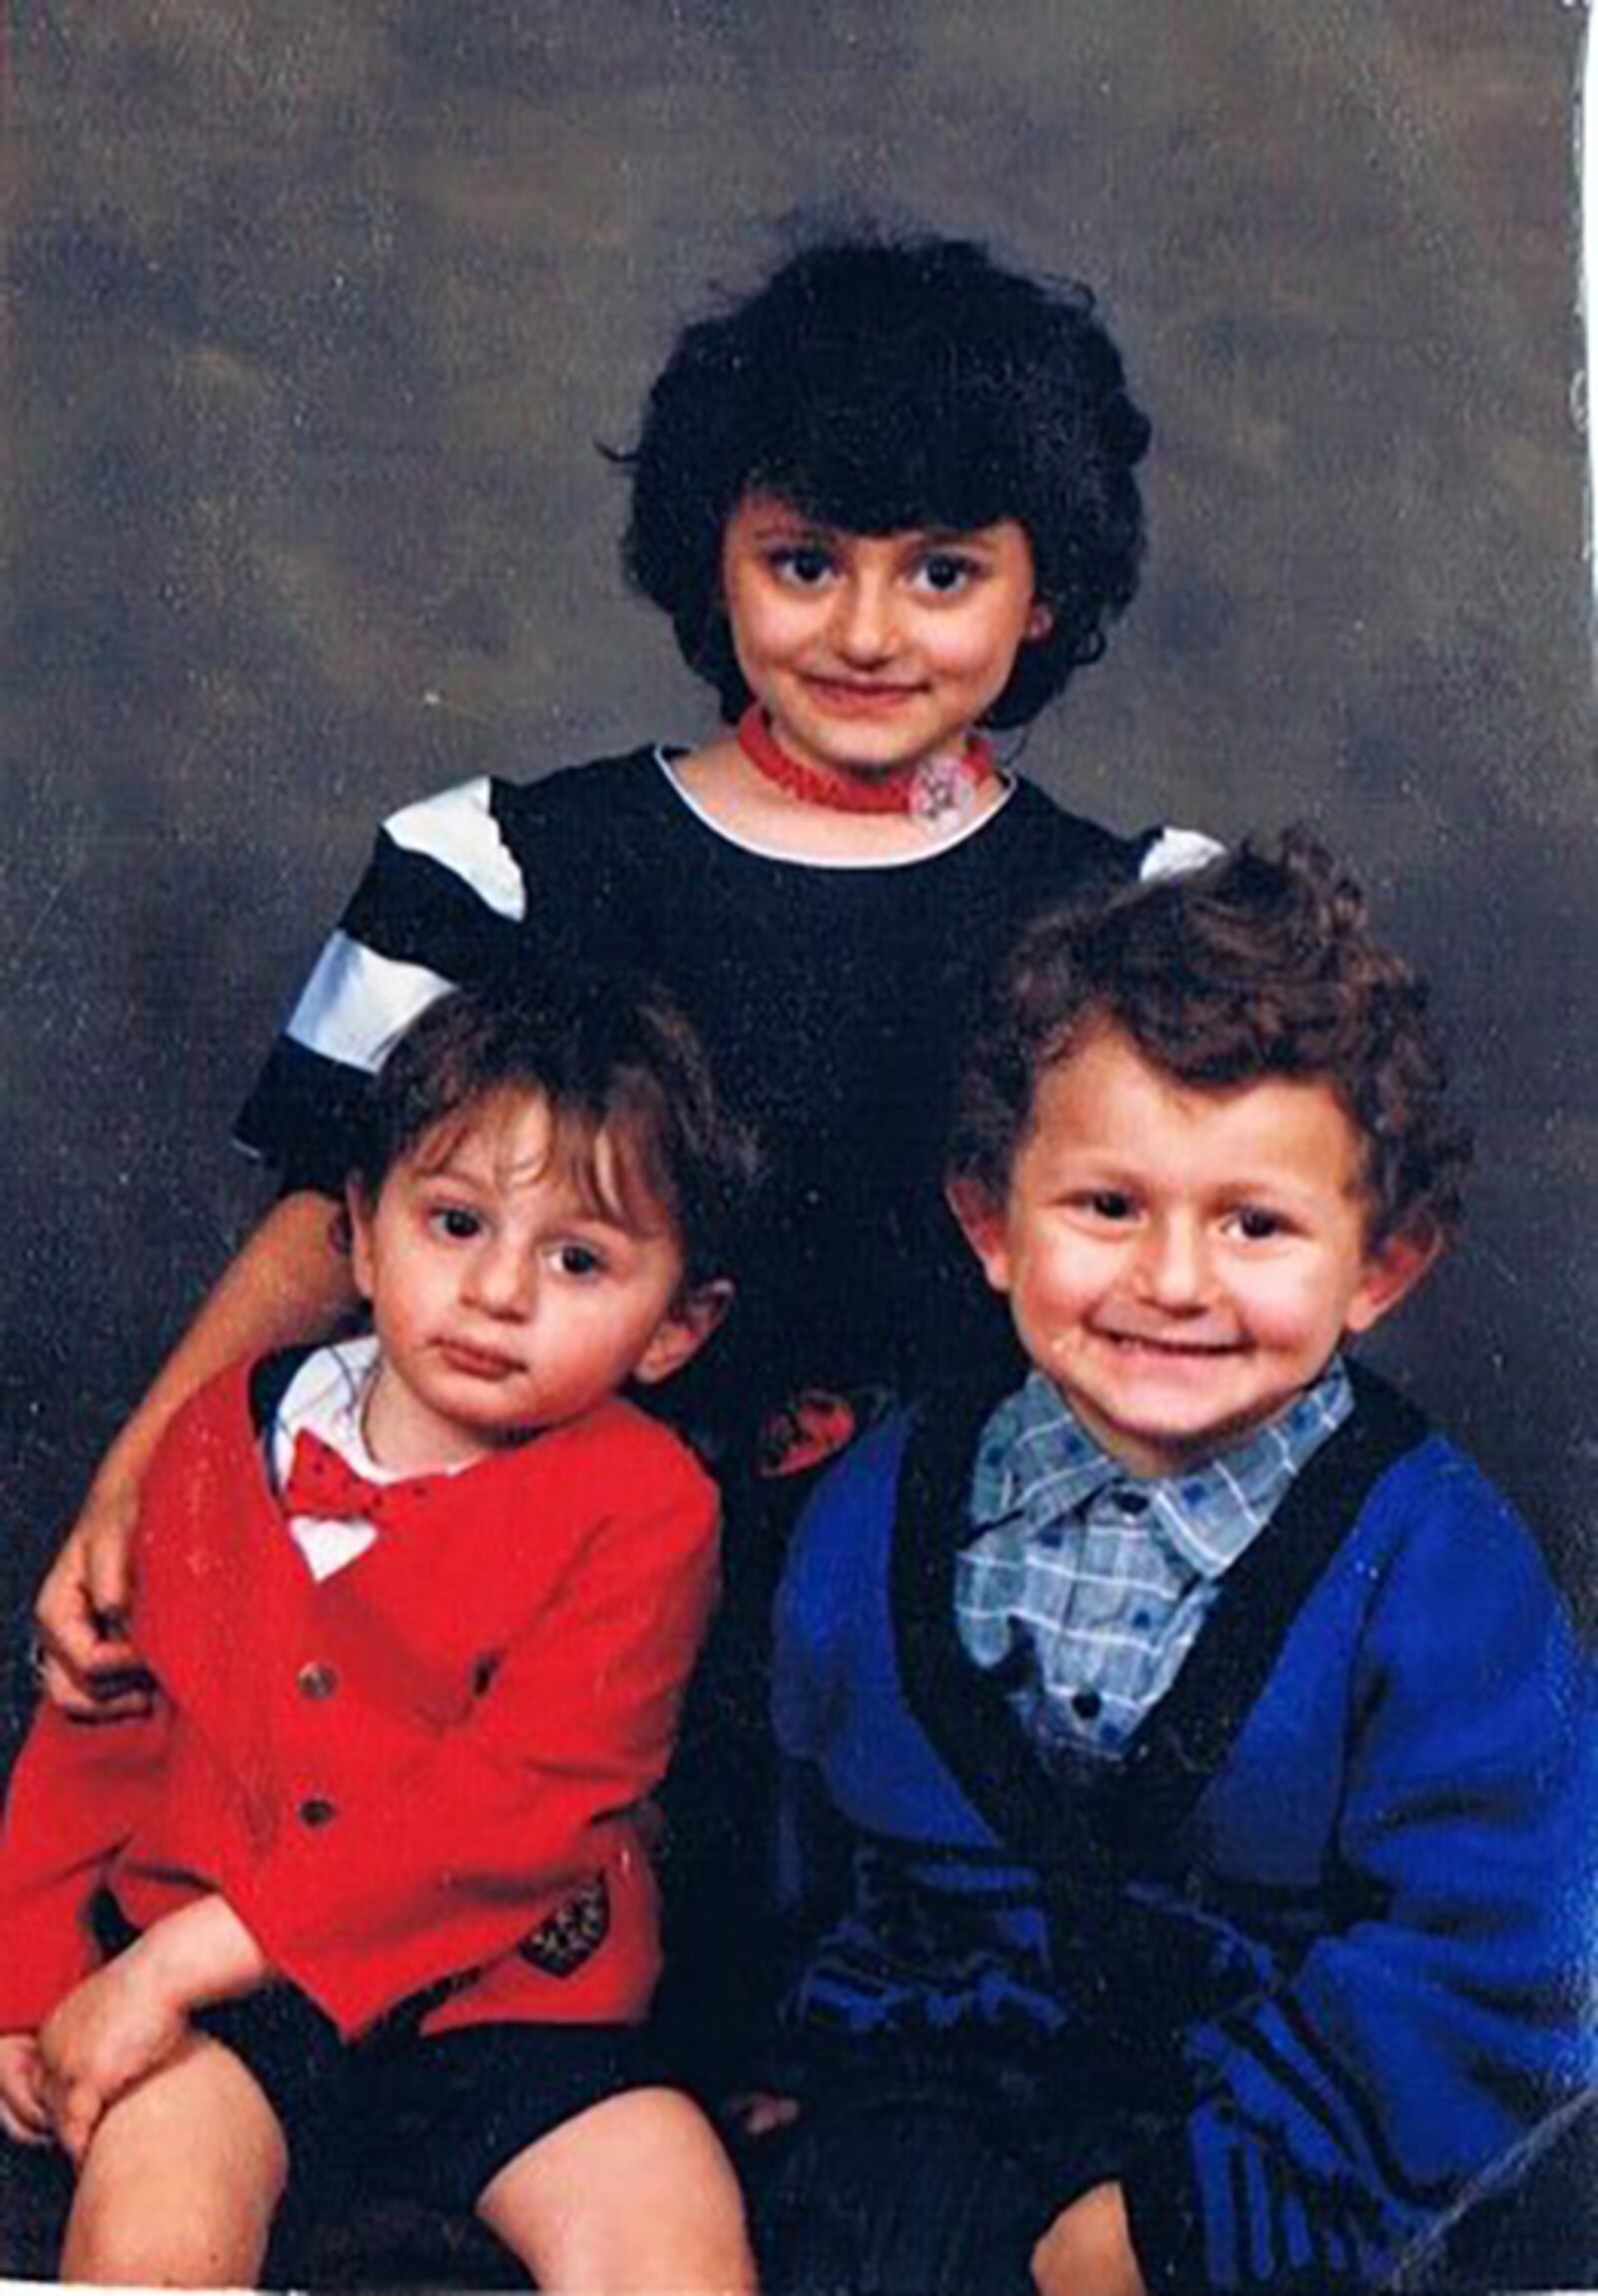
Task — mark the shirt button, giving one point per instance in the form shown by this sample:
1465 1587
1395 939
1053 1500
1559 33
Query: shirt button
316 1809
318 1679
1088 1703
1133 1503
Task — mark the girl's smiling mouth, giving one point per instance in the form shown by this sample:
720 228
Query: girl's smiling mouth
862 694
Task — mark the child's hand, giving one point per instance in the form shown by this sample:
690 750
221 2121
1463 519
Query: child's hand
129 2016
756 2115
86 1664
107 2035
1088 2250
23 2114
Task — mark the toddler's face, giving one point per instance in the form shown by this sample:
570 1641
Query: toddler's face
874 651
503 1300
1182 1262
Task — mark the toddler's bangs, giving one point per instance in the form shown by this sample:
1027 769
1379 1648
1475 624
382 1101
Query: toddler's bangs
609 1156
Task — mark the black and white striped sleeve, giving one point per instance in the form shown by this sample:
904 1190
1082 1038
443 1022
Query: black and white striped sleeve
1167 852
442 899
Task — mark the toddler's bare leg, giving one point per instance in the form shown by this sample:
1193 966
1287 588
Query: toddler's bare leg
633 2195
181 2179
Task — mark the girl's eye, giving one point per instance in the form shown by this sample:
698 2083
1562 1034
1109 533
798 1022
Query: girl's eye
1257 1225
805 564
946 574
579 1261
457 1223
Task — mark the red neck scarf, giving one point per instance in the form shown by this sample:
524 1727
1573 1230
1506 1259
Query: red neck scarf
930 790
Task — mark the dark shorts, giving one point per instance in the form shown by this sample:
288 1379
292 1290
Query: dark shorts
923 2174
426 2118
432 2119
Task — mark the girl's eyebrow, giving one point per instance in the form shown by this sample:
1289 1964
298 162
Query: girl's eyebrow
951 538
792 526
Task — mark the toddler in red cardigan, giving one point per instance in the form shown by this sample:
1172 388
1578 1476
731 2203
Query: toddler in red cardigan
369 1893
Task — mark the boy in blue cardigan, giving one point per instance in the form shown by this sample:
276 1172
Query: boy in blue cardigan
1192 1806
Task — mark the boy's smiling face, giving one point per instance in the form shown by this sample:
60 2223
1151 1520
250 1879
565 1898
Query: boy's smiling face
1183 1261
504 1297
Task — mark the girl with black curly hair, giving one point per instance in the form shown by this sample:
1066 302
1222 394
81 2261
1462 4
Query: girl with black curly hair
889 504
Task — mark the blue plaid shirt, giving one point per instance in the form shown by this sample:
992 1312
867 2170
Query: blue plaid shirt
1088 1585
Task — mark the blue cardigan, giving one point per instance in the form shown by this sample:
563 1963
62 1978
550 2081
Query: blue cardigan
1330 1927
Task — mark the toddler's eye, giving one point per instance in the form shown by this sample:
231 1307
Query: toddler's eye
457 1223
1257 1225
946 574
578 1260
805 564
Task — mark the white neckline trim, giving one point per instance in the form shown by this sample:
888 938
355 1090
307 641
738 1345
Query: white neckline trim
666 760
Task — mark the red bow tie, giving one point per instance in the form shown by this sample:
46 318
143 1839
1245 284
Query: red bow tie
322 1482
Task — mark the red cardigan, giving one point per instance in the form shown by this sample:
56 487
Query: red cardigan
397 1775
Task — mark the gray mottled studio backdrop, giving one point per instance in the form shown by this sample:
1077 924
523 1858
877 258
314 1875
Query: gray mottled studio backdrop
313 311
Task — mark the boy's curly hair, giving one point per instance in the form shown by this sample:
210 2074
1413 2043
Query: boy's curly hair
880 385
1259 965
610 1054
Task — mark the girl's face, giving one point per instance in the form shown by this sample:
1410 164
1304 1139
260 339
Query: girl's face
873 651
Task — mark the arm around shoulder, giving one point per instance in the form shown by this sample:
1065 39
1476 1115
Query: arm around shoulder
290 1282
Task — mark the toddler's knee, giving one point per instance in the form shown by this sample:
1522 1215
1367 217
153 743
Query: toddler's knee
131 2248
704 2252
633 2197
171 2226
695 2238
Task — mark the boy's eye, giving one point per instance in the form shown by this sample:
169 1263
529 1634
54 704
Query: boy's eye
1110 1203
1256 1224
805 564
455 1221
946 573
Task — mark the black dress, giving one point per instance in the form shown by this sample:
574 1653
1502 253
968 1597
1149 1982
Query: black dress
827 995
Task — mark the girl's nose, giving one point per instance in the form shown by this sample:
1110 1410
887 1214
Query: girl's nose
863 630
